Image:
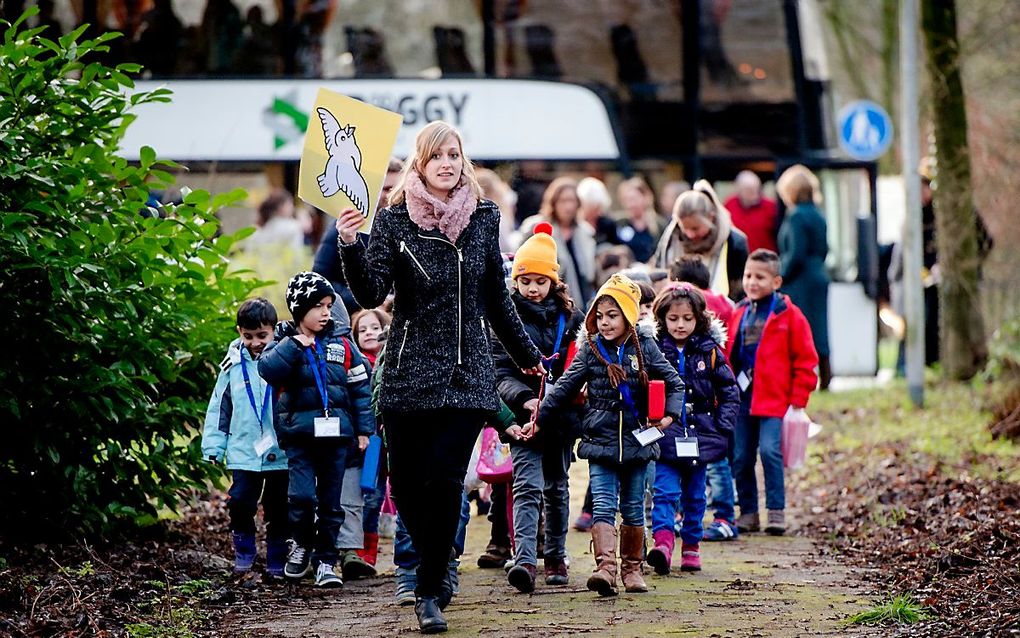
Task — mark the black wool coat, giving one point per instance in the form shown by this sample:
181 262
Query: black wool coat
446 296
541 322
607 430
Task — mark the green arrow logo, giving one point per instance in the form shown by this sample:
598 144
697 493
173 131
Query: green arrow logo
286 120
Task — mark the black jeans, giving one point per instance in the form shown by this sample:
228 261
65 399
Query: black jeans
246 490
316 481
429 454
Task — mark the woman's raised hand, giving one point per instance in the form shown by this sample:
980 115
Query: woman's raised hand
348 223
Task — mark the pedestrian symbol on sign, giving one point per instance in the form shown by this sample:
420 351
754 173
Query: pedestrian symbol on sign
865 130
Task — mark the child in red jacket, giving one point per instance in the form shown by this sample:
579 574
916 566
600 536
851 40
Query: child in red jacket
773 355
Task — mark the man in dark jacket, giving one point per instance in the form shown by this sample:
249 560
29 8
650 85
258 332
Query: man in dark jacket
325 402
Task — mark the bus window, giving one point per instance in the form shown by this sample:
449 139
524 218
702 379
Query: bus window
633 46
367 39
846 197
744 51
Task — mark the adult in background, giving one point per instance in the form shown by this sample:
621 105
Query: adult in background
437 248
803 246
327 259
575 238
276 225
668 194
753 213
595 205
702 227
640 229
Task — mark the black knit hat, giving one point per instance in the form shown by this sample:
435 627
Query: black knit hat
305 291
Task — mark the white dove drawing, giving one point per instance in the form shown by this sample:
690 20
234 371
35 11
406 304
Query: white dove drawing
343 168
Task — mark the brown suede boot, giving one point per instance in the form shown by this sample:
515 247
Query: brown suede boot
603 579
632 545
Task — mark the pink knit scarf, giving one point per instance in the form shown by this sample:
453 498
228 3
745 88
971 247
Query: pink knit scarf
428 211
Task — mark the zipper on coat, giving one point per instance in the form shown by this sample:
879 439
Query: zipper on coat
405 249
460 312
403 342
621 433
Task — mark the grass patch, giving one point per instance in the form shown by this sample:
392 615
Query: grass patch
902 609
952 427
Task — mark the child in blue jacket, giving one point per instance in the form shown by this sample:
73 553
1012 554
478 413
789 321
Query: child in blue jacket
692 340
239 429
325 402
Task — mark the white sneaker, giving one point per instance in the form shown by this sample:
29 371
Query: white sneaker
326 576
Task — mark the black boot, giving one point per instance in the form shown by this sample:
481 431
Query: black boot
430 617
824 373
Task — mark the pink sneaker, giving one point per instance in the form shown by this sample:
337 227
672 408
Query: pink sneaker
661 557
690 558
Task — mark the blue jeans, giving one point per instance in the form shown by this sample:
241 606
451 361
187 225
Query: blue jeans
246 490
720 483
618 487
314 497
754 433
404 554
681 484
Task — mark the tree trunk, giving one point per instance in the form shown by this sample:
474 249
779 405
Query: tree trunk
962 332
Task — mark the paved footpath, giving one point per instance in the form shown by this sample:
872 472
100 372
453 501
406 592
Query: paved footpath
756 586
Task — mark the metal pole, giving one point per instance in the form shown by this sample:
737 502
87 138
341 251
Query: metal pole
912 261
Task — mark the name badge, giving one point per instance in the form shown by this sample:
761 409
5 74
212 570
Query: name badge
743 381
647 436
327 426
687 447
265 442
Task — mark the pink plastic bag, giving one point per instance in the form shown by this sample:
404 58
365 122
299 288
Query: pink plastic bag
796 424
494 462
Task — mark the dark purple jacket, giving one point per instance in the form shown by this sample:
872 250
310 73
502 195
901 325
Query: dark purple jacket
712 389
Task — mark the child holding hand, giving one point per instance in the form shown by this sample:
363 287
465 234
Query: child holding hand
691 339
616 363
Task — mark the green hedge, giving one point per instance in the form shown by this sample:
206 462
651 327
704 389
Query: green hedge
114 315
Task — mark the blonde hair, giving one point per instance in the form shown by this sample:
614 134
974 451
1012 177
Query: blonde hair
694 203
798 185
552 193
428 140
642 187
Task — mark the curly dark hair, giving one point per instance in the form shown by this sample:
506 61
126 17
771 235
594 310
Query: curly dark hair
682 293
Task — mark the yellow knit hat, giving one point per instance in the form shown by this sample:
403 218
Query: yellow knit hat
625 293
537 255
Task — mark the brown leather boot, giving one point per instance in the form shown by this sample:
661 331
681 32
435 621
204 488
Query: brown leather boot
603 579
632 545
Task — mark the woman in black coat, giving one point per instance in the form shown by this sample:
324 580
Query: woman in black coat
437 248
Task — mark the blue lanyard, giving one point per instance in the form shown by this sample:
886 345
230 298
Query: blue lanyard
548 361
625 394
740 329
681 362
266 394
318 363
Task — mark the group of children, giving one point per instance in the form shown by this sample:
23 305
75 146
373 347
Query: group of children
683 399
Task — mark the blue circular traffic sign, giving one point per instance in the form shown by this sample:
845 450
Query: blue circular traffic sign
865 130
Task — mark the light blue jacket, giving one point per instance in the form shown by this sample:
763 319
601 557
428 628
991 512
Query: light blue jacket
231 426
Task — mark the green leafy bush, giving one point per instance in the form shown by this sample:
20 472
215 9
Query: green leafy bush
115 314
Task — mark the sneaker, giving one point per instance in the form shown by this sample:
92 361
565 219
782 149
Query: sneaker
777 523
325 576
583 522
748 523
494 556
522 577
407 580
509 564
298 563
354 567
721 530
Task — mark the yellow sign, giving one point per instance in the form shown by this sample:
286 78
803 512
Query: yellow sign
347 149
